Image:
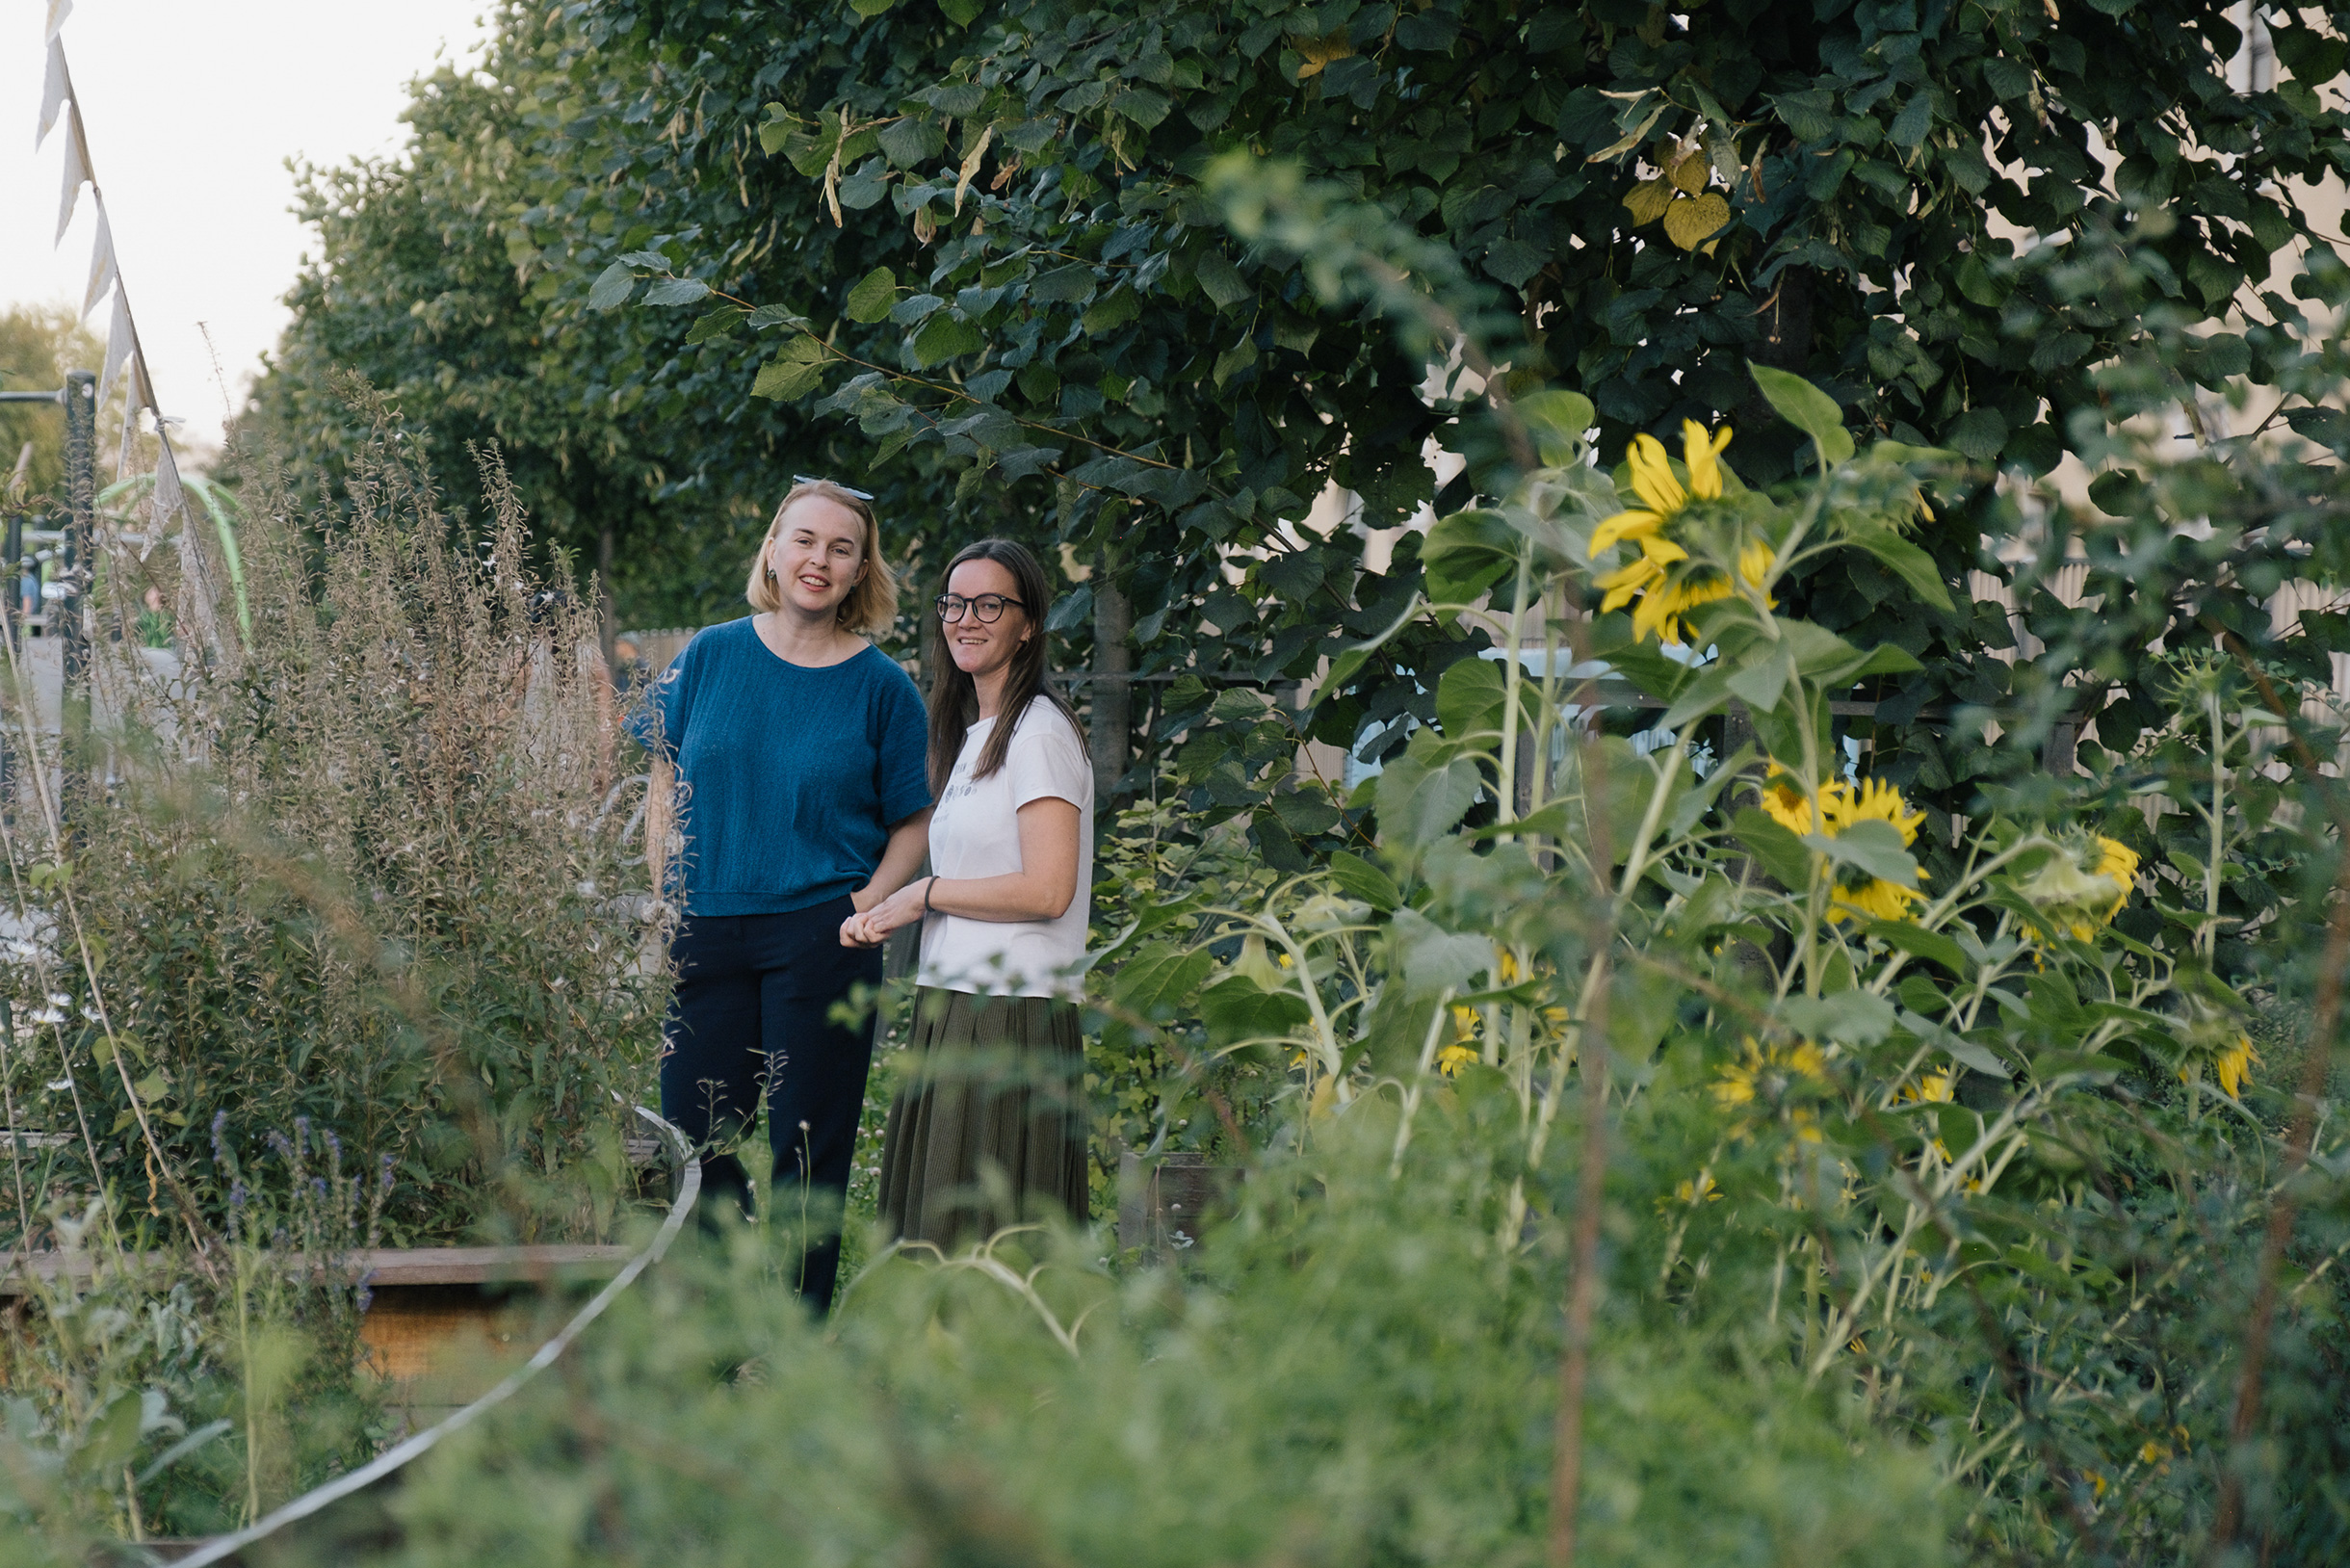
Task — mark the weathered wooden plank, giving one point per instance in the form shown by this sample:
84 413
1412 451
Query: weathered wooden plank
379 1267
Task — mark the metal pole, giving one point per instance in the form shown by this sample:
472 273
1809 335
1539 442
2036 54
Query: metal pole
11 616
81 519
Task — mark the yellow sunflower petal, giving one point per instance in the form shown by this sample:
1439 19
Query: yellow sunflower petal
1651 477
1624 525
1656 609
1699 453
1622 584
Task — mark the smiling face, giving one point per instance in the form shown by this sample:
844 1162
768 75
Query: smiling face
981 651
818 555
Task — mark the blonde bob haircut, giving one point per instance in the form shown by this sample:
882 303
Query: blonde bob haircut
871 606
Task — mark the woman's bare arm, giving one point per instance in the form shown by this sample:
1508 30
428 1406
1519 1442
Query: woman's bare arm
1041 889
660 819
909 841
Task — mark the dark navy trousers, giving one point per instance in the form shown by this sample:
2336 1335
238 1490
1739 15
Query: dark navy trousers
750 1015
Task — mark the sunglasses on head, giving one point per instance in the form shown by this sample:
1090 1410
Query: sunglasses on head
845 490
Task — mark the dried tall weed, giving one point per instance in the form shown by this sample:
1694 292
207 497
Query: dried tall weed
371 863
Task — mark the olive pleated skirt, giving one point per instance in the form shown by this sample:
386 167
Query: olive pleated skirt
990 1129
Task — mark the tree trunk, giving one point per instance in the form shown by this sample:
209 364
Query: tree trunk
1110 723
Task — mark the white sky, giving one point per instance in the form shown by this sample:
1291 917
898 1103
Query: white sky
193 109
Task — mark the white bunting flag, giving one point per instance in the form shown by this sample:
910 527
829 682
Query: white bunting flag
55 90
119 341
169 497
59 11
130 430
77 175
102 271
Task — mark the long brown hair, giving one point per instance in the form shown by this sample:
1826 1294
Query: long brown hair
871 605
955 697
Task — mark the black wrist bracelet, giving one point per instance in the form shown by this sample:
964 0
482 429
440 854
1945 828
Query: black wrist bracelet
927 884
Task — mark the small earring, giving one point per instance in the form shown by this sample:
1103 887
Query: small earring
771 574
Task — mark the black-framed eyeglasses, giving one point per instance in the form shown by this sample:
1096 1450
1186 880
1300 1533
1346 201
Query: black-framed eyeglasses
987 607
811 478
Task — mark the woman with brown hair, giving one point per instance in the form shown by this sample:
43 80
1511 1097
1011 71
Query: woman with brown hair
992 1129
801 800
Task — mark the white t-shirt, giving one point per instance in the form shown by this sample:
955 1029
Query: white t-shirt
974 831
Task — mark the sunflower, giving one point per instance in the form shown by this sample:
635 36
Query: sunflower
2083 887
1842 804
1462 1051
1662 578
1769 1072
2232 1066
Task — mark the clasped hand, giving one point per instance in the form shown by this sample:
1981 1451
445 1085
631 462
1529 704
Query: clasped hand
869 928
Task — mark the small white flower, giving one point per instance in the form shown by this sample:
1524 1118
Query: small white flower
58 999
63 1085
46 1015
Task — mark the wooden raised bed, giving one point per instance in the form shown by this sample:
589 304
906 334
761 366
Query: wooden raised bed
440 1319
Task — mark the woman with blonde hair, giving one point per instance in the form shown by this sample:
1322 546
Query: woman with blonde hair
801 799
991 1129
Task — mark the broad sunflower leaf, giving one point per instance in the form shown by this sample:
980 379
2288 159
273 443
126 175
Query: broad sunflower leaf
1917 942
1360 878
1160 977
1423 794
1808 408
1910 564
1779 852
1557 421
1467 553
1434 958
1871 847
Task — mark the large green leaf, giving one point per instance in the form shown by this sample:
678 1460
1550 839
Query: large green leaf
1855 1016
1872 847
874 295
943 337
612 287
1433 958
1558 421
1775 849
1471 699
1905 560
1809 410
1359 879
1238 1009
1158 978
1467 553
1423 794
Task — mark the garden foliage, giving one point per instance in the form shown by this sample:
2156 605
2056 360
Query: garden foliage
1682 1121
1654 1142
325 930
993 280
356 857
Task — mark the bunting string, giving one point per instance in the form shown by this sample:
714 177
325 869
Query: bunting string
61 107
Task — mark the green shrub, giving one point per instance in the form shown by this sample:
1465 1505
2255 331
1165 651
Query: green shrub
366 865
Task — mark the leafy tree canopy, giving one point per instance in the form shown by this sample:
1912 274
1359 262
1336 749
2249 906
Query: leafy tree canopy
979 254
